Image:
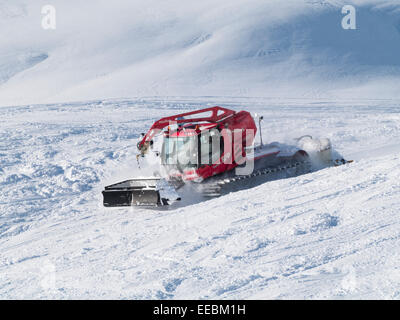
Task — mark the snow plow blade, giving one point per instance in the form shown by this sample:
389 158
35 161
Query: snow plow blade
134 192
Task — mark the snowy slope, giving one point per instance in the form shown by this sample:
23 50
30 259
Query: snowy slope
329 234
104 49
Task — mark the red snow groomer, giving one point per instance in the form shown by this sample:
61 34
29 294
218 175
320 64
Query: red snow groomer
210 152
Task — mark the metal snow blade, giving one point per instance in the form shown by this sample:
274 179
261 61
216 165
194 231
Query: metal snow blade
139 192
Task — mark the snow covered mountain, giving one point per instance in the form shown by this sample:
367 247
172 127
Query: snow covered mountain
103 49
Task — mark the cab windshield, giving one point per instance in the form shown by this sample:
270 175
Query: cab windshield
180 152
193 151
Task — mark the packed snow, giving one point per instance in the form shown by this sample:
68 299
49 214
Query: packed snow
74 101
333 233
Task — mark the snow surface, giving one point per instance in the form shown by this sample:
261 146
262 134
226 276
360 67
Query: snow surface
333 233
